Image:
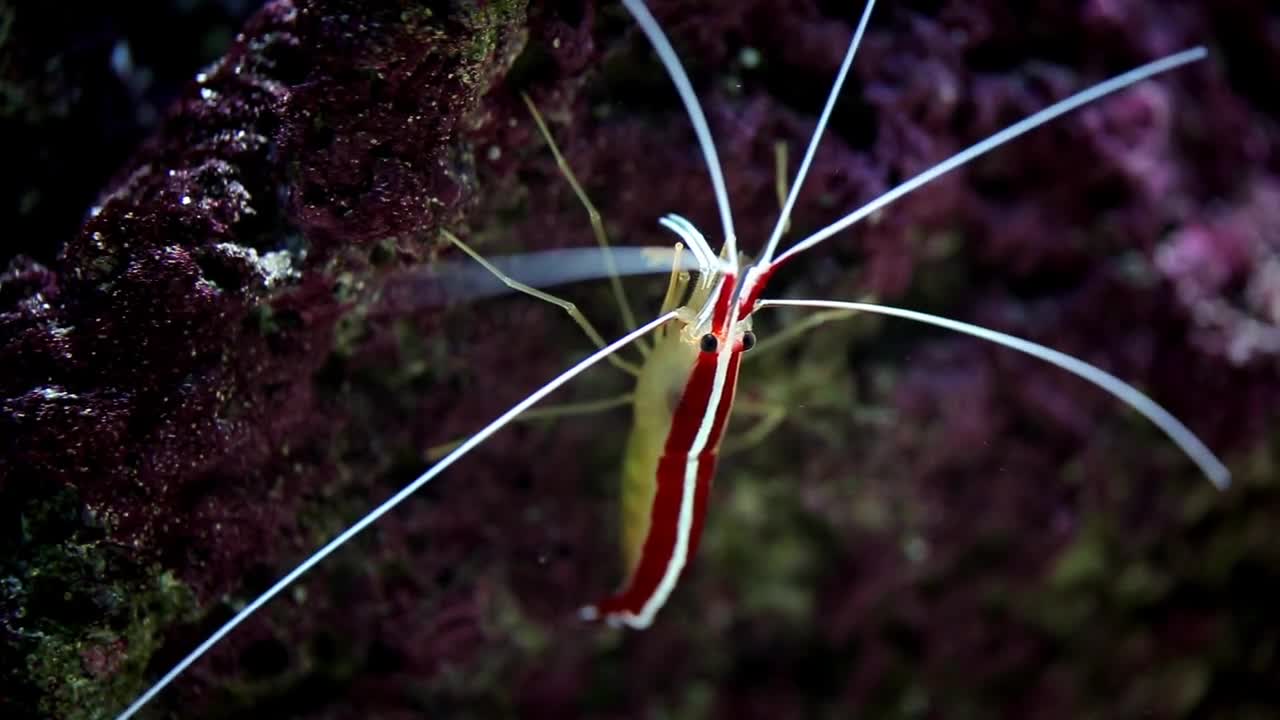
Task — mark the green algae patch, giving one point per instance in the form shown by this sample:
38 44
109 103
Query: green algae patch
80 617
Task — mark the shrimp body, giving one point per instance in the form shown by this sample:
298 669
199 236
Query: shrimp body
684 396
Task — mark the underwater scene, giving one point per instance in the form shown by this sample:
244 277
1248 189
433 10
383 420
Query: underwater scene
940 374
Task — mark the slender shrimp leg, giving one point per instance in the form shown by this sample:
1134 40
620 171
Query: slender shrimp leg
597 223
559 302
795 331
436 452
770 413
602 239
769 417
676 289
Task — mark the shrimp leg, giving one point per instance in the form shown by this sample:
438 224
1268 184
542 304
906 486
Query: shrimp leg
569 307
597 223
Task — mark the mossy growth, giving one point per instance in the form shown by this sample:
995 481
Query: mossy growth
488 20
78 616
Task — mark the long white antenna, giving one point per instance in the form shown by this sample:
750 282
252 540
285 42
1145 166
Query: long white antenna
700 128
1083 97
776 235
1181 435
364 522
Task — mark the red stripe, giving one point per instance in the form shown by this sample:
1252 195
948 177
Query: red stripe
748 304
707 463
726 402
660 542
692 406
702 491
721 314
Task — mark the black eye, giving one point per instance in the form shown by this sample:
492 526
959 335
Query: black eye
709 343
748 340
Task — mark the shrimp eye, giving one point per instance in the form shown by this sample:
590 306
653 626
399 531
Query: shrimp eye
748 340
709 343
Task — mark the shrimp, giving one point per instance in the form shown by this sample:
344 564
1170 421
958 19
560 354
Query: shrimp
683 402
686 387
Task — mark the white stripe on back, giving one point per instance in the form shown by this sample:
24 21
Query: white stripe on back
684 523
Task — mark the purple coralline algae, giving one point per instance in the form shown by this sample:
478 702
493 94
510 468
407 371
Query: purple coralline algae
235 355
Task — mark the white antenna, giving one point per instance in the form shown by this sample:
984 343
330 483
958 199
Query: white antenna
1181 435
502 421
1083 97
700 128
776 235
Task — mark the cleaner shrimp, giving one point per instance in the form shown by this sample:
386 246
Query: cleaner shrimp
693 350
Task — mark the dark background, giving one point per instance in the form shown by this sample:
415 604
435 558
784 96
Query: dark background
234 358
